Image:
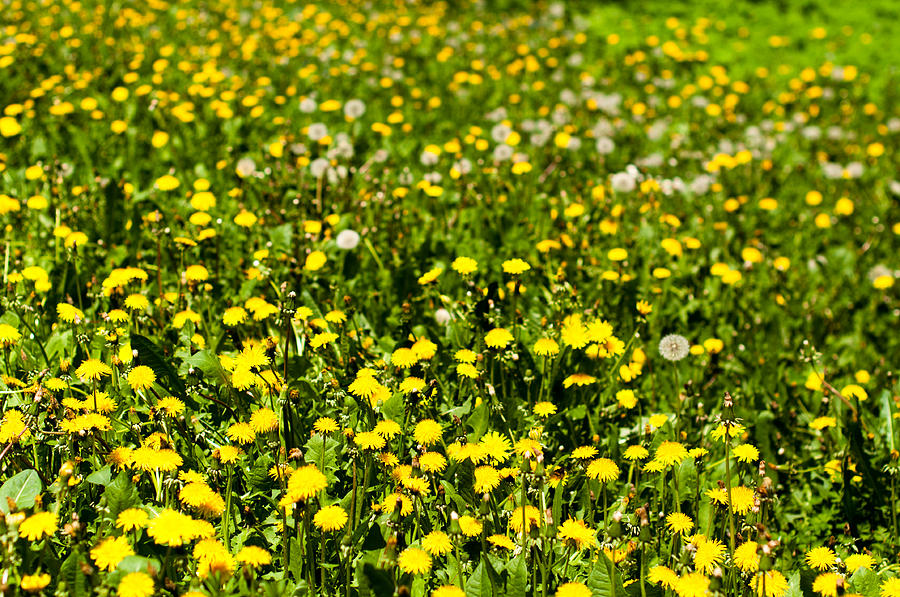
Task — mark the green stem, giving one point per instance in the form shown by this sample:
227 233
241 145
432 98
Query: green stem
894 506
643 571
310 552
612 571
731 537
677 493
226 522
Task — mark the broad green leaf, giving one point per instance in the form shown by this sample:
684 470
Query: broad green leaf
58 343
393 408
150 355
866 583
518 576
600 580
650 590
258 475
22 489
120 494
557 503
208 363
479 584
320 451
794 589
133 564
295 561
419 585
374 582
101 477
450 491
138 564
687 478
478 421
887 415
72 581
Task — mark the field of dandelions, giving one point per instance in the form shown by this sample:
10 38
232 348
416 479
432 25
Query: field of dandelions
449 299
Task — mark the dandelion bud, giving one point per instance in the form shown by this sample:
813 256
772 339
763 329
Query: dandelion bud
615 529
67 469
484 508
454 529
644 536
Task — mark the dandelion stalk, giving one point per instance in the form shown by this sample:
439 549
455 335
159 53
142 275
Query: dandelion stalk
612 570
226 522
310 551
675 488
894 505
353 503
524 514
729 406
322 569
643 571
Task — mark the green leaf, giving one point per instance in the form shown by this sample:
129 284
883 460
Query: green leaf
133 564
321 452
887 413
393 408
634 590
518 576
419 585
296 559
557 504
258 476
478 421
450 492
208 363
59 343
794 586
138 564
687 477
866 582
151 356
600 580
374 581
120 494
373 540
101 477
576 413
479 584
22 489
72 581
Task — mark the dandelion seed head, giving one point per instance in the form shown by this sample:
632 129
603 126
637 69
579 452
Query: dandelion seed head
674 347
347 239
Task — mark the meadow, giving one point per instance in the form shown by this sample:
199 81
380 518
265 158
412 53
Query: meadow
449 299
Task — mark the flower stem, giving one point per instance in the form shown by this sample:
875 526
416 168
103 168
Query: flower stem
731 537
226 522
